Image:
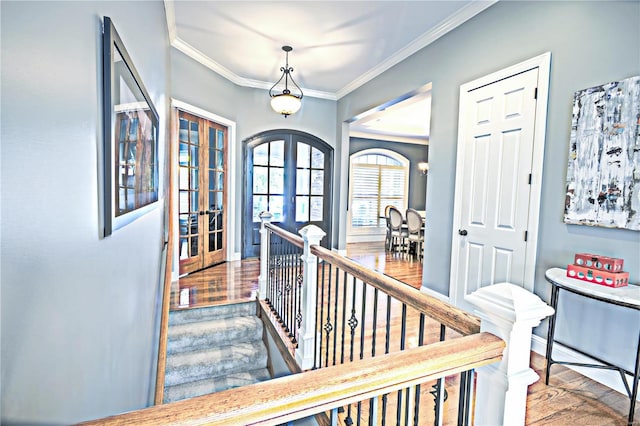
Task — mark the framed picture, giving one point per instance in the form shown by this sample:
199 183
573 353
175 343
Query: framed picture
130 137
603 174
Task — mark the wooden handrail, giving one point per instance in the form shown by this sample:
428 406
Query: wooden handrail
291 237
447 314
300 395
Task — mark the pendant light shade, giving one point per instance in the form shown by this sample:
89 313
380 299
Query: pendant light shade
285 102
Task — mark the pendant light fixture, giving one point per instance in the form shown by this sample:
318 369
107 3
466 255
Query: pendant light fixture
286 103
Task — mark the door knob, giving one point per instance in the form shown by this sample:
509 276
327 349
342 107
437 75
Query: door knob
462 232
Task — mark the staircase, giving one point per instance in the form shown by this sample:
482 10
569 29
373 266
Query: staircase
212 349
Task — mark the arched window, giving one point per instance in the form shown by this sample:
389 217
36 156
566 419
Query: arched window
377 178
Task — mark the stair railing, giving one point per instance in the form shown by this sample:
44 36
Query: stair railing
289 398
508 313
345 312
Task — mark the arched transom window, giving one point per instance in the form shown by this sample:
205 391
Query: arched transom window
377 178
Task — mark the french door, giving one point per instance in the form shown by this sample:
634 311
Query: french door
289 174
202 196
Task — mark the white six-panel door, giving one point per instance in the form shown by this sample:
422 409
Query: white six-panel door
495 173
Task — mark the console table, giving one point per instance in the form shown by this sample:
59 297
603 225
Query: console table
628 297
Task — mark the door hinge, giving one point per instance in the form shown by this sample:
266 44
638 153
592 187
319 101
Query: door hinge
530 178
526 234
535 93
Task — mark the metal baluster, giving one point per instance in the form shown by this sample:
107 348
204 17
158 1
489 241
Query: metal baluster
317 342
375 322
269 298
299 282
464 405
327 326
353 323
416 412
322 285
344 316
387 342
403 331
335 316
362 331
294 294
278 300
289 289
439 392
362 318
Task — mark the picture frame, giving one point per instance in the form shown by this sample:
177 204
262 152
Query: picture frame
603 172
131 132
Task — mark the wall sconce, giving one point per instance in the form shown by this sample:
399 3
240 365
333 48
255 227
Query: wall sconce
286 103
423 166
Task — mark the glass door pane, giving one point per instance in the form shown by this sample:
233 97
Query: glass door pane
189 170
310 188
268 180
216 190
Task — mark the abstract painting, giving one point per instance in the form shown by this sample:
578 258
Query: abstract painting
603 175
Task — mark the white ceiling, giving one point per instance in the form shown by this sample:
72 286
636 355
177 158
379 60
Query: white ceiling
337 45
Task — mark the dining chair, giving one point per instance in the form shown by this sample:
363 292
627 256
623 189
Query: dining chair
387 239
398 232
415 229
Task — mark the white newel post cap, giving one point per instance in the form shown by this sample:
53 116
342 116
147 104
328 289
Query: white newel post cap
312 234
265 216
510 303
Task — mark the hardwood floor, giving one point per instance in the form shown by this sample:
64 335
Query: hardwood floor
228 282
570 398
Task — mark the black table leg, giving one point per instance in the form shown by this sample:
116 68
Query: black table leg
552 329
634 393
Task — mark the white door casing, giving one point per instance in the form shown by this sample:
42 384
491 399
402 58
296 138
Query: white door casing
498 175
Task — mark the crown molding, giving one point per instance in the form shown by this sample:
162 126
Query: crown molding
170 16
390 138
455 20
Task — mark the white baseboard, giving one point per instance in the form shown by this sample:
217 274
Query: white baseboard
609 378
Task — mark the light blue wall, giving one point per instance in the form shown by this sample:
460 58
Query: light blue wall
591 43
198 86
80 314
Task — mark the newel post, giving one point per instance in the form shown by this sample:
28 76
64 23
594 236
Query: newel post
265 217
311 234
510 312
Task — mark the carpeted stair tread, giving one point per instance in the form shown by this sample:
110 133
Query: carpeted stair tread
183 316
212 333
217 384
208 363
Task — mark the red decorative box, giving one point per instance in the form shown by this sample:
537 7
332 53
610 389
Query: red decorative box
602 263
597 276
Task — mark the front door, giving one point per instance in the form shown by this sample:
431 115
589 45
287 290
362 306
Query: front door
289 174
494 185
202 195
